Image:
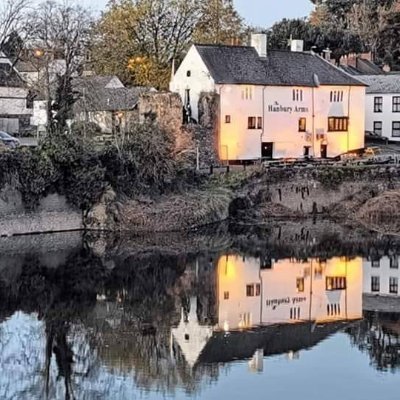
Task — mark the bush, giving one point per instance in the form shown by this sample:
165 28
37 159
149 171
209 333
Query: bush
85 129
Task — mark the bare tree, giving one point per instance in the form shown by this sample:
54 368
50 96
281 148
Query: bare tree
59 35
11 18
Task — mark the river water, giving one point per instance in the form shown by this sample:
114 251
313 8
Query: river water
306 311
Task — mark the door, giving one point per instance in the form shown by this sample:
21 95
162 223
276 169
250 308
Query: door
267 150
324 150
306 151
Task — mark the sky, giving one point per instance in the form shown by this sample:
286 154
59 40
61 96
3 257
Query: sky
256 12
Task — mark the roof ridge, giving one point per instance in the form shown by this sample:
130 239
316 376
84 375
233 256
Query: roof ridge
223 45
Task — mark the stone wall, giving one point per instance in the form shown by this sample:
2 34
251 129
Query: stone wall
52 214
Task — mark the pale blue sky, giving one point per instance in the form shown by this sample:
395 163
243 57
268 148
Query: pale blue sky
256 12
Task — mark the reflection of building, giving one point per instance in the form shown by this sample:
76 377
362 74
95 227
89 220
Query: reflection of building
289 291
288 306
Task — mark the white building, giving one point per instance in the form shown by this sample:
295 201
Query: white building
274 105
381 276
382 106
15 105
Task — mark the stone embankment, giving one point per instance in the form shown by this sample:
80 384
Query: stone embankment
359 195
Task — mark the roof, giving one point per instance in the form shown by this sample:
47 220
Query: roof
99 93
381 84
9 77
242 65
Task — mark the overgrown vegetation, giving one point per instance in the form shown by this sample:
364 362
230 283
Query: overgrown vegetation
142 162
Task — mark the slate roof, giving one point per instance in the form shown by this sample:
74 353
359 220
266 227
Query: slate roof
9 77
381 84
95 96
242 65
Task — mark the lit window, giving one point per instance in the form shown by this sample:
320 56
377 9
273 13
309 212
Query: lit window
396 104
227 119
338 124
378 127
335 283
226 295
302 124
393 285
251 124
378 104
300 285
259 123
396 129
375 284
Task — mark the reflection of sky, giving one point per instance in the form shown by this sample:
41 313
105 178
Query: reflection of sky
330 371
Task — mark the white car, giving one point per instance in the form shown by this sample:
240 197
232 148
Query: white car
9 141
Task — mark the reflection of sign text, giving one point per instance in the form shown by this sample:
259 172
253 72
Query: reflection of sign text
284 300
278 108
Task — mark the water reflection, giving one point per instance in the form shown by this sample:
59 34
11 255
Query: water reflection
97 322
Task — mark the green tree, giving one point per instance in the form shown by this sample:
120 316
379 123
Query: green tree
220 23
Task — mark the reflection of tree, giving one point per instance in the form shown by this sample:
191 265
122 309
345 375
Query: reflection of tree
379 336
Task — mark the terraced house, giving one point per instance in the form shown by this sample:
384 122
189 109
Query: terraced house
274 104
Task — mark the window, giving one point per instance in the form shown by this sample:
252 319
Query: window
338 124
378 104
396 104
375 284
247 93
250 290
188 74
394 262
302 124
378 127
253 289
336 96
376 263
295 313
297 95
259 122
335 283
251 124
396 129
393 285
227 119
226 295
300 285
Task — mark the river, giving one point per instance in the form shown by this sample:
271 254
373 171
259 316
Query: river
283 311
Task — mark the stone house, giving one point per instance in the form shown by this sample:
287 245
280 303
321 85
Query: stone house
275 104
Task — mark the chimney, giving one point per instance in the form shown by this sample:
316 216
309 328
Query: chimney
297 46
259 42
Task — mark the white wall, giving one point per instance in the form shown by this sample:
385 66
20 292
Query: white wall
384 272
13 101
386 117
39 117
237 142
199 80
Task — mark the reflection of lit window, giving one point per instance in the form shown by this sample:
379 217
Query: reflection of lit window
249 290
375 284
253 290
393 285
335 283
375 263
394 262
300 285
226 295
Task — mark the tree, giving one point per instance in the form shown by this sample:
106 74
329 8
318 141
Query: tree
150 34
59 32
220 23
11 19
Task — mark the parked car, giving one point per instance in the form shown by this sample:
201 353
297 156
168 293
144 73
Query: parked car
9 141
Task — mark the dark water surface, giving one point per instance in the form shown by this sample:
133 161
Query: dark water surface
287 311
